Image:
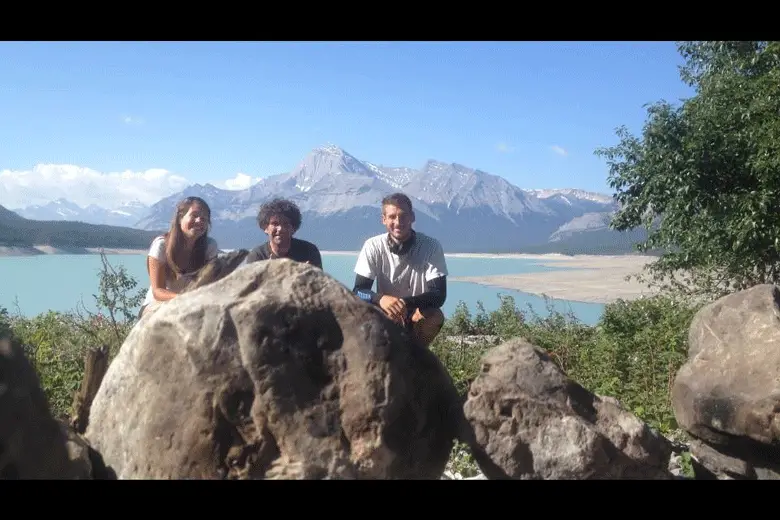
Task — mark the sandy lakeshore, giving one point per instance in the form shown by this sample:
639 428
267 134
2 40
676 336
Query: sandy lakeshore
587 278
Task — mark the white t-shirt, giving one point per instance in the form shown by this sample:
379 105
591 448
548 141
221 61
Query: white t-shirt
404 275
157 251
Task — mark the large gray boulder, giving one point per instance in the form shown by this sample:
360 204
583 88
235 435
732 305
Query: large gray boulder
274 371
532 422
727 394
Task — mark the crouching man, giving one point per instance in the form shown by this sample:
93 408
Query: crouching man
409 269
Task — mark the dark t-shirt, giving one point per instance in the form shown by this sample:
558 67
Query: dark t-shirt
300 251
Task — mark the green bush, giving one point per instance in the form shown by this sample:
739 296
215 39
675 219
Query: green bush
57 342
640 346
5 325
53 346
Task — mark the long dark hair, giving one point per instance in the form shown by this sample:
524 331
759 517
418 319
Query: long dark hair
174 240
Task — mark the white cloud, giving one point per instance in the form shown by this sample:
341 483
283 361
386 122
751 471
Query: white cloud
84 186
504 148
132 120
240 182
559 150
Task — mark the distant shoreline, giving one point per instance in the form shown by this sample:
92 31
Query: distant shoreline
50 250
556 257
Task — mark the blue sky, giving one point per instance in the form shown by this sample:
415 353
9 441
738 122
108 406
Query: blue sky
532 112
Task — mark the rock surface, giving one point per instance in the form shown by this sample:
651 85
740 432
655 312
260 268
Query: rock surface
217 269
33 444
727 394
534 423
87 464
275 371
214 270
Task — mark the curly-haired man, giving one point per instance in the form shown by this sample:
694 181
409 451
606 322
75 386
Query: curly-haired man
280 219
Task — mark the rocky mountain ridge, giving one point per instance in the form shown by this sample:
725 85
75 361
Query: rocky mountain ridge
469 210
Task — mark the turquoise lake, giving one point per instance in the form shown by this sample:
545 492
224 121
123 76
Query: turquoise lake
59 282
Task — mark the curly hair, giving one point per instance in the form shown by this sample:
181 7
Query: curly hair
283 207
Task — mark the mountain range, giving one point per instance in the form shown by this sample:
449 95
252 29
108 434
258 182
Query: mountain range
467 209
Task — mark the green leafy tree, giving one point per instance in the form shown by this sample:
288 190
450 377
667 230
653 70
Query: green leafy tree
704 178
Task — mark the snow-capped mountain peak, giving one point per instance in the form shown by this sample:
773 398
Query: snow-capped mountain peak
572 193
339 195
322 163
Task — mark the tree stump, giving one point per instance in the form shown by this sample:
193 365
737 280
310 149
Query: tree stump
95 367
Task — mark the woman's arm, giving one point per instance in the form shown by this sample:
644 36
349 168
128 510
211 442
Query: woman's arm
157 278
155 265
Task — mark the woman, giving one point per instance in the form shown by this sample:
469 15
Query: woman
175 257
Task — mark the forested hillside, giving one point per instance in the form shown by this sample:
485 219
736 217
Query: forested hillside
20 232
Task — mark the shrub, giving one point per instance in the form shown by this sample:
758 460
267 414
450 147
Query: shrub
57 342
640 346
5 324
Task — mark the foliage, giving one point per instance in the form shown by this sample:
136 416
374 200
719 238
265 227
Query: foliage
56 349
638 348
57 342
462 462
705 173
461 357
5 325
115 284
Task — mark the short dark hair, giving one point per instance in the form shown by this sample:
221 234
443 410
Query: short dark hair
397 199
284 207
